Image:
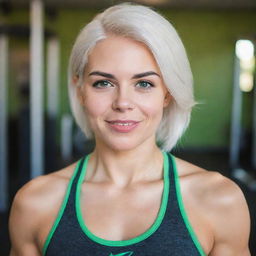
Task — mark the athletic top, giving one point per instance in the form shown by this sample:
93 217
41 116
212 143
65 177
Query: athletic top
170 235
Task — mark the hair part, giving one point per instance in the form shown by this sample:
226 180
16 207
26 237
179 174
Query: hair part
147 26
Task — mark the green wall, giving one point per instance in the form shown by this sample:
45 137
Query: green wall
208 36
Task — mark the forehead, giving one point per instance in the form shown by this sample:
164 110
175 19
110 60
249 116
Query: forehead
116 52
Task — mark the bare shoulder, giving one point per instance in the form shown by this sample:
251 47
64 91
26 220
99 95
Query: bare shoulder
37 193
222 203
33 206
211 186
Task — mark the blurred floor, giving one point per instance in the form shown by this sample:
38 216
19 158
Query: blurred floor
210 161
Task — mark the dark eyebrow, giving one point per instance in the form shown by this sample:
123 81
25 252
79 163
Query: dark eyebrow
99 73
140 75
149 73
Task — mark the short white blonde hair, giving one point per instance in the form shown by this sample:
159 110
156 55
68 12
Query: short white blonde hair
142 24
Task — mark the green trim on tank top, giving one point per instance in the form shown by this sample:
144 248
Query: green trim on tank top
137 239
62 208
183 211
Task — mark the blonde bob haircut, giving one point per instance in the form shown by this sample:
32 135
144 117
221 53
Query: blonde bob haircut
142 24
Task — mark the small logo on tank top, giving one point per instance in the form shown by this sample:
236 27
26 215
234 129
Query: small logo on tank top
122 254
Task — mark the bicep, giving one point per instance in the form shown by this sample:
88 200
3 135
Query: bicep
25 250
21 224
232 224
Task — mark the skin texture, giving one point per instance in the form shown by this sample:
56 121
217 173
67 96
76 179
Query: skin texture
215 205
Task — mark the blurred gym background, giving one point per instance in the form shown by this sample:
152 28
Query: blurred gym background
37 131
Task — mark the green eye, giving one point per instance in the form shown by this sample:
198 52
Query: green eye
144 85
102 84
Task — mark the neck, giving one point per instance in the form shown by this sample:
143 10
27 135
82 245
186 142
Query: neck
124 168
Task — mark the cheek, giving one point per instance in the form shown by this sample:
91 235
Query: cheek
94 108
153 111
153 105
95 105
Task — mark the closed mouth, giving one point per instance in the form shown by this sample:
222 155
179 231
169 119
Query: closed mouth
123 122
123 126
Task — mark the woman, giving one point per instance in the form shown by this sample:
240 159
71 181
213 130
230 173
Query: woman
130 89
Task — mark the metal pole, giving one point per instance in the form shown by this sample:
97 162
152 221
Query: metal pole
236 118
36 85
53 77
254 126
3 122
66 137
52 102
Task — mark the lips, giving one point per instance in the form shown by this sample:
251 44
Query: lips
123 126
123 122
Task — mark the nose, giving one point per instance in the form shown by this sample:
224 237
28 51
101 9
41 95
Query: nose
123 100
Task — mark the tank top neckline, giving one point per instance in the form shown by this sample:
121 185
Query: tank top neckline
139 238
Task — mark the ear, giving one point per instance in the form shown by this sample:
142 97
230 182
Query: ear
79 94
167 99
79 90
75 80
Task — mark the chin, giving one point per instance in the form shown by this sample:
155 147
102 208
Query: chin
125 143
122 145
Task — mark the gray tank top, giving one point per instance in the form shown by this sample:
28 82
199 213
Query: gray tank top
170 235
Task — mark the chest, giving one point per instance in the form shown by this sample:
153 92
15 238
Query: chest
121 215
114 214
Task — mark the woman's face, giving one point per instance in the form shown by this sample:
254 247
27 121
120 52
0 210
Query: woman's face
123 93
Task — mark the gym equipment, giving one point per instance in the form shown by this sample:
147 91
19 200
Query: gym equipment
36 88
3 121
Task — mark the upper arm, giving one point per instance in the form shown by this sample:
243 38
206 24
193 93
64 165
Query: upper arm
34 210
22 224
231 220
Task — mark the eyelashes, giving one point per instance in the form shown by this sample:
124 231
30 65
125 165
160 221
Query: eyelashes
102 84
142 84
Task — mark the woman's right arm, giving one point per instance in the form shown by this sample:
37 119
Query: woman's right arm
23 222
